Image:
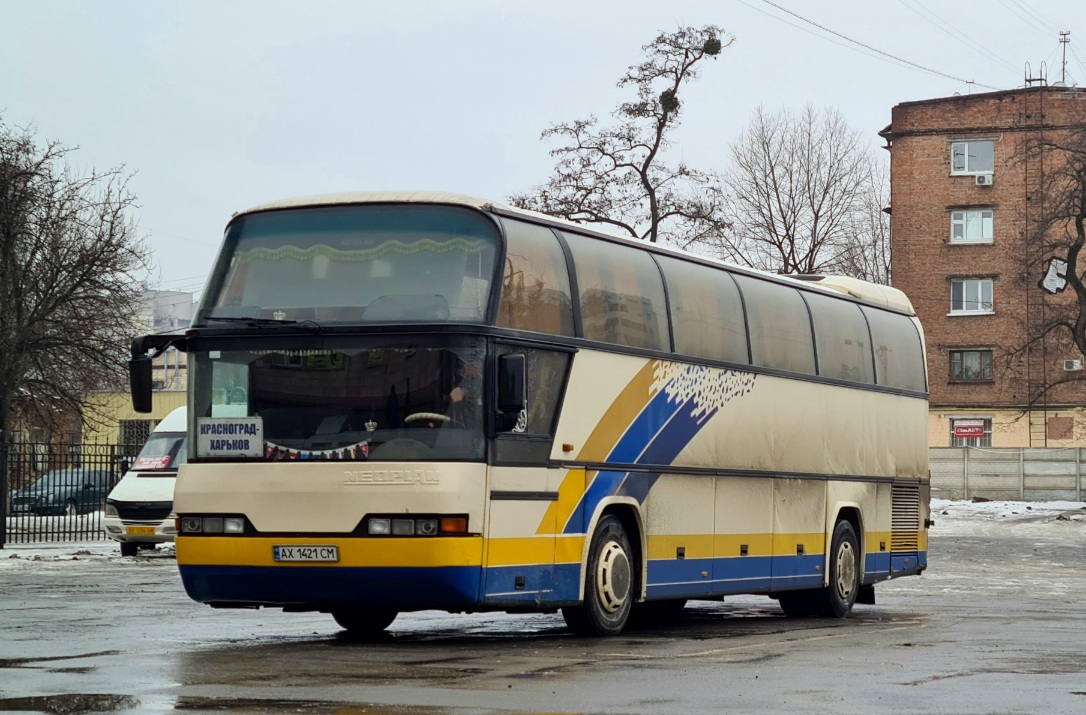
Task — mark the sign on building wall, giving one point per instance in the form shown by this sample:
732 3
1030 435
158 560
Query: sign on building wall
968 428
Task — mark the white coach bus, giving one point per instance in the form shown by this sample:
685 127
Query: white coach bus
407 401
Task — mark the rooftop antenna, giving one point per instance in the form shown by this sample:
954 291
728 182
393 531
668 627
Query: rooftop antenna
1041 79
1065 40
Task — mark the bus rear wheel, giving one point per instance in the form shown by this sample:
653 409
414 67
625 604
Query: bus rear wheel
836 599
609 583
364 623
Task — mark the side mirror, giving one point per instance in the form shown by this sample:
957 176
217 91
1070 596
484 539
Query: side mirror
512 390
139 382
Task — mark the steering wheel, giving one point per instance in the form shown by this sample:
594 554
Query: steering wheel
436 416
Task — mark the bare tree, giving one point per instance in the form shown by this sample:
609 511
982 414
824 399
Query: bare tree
69 297
866 250
802 197
1054 267
616 176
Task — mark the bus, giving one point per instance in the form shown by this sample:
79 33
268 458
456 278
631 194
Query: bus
405 401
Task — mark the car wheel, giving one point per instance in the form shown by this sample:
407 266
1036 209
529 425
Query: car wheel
129 548
70 508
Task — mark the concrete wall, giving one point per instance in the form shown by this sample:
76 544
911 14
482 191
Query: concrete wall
1008 474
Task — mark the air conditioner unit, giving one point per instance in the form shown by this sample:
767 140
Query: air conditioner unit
1072 365
984 179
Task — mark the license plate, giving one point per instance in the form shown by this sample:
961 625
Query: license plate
140 530
306 553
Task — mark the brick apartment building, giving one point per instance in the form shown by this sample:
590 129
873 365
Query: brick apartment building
966 206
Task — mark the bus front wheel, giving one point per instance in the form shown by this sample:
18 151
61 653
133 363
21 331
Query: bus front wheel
608 589
364 623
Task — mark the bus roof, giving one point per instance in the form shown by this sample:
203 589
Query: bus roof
865 291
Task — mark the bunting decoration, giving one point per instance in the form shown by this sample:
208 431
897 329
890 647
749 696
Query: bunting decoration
354 452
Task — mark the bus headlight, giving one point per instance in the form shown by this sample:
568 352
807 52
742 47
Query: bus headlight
430 525
192 525
233 525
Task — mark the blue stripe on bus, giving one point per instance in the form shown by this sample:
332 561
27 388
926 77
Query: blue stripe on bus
458 587
672 435
408 589
877 566
641 431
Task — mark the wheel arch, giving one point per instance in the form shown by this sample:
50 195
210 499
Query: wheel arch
853 514
628 512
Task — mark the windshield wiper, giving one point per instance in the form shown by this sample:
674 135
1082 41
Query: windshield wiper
254 320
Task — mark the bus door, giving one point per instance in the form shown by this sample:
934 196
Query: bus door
521 534
524 516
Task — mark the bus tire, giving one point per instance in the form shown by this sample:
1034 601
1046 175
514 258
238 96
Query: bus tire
609 583
838 598
363 623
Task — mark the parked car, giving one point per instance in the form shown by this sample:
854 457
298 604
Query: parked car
74 490
139 510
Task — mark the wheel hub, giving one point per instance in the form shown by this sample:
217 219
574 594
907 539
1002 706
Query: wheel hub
613 577
846 570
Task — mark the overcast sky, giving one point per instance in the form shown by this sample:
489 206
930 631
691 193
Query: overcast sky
218 106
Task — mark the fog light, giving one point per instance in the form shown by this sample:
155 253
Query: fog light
212 524
426 527
233 525
192 525
379 527
403 527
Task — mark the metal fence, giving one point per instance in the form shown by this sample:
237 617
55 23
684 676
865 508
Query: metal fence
56 492
1008 474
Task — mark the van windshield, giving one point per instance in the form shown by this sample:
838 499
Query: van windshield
165 450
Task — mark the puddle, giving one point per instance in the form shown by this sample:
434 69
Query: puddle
72 704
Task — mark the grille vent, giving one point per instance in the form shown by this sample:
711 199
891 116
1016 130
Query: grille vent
906 517
143 511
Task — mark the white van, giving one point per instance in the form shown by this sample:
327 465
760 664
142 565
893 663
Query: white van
139 510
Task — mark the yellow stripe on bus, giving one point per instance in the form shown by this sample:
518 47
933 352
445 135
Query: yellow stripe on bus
353 551
606 434
619 415
570 492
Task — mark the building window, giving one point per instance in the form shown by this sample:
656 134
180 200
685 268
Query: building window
973 295
971 432
971 226
133 434
971 365
976 157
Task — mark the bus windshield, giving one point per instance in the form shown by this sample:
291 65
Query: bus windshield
363 400
354 264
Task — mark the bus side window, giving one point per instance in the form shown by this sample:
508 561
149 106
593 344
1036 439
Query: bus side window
546 378
535 283
780 327
621 294
899 355
842 339
706 312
